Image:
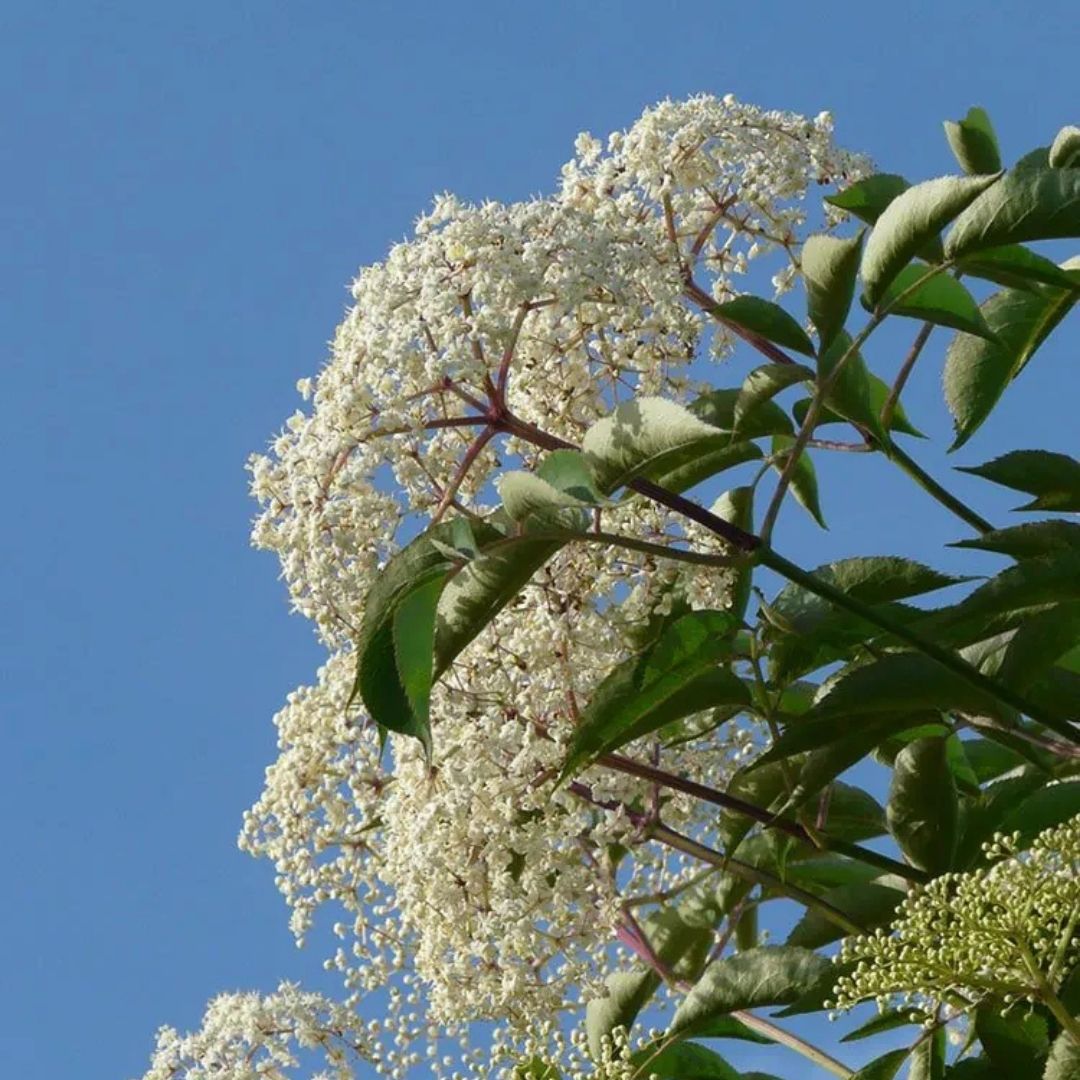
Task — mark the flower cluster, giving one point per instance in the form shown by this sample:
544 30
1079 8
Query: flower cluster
1006 932
248 1037
467 887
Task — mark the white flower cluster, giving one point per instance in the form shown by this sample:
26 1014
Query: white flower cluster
1008 932
248 1037
468 887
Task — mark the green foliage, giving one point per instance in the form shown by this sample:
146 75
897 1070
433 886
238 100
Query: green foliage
974 143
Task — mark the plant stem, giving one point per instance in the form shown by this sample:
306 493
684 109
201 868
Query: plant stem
793 1042
678 842
759 814
947 659
1067 1021
906 368
932 487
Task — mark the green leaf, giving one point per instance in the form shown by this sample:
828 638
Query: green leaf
677 676
867 199
984 815
1038 643
1016 267
479 590
1017 1044
972 1068
923 809
913 219
978 370
928 1057
763 384
867 905
684 1061
1064 1060
902 683
974 143
1030 584
835 735
763 785
525 495
641 435
717 407
939 299
1054 479
882 1068
889 1020
1042 809
769 975
830 266
568 471
1065 150
737 508
395 644
684 468
804 484
988 759
849 396
1028 541
769 320
1024 204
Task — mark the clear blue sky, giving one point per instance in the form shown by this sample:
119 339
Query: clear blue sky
186 191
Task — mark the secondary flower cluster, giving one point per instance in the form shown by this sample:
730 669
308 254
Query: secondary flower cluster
248 1037
467 887
1006 932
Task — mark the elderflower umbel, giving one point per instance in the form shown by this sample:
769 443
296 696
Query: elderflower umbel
1006 932
469 889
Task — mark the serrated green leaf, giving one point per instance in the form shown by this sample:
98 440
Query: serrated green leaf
902 683
1054 479
928 1057
568 471
1065 149
677 676
684 468
1042 809
988 759
1038 643
684 1061
830 266
939 299
923 808
1024 204
972 1068
978 370
639 436
974 143
763 384
717 407
769 320
479 590
768 975
525 495
867 199
983 816
1016 1044
1064 1060
1016 267
879 392
1027 541
867 905
804 485
850 393
882 1068
913 219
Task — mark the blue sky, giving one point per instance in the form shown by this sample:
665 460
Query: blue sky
187 190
